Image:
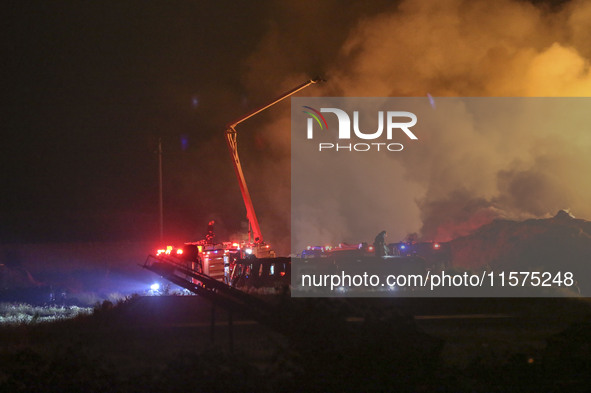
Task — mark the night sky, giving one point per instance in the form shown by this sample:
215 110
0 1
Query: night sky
88 87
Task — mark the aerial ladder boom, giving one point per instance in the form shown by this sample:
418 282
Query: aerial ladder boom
253 223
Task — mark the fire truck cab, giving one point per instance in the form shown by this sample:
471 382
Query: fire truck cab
215 260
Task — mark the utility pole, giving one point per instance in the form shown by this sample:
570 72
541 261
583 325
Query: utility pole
160 201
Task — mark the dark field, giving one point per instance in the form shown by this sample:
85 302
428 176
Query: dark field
167 344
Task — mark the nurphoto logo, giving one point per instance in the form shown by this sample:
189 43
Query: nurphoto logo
395 121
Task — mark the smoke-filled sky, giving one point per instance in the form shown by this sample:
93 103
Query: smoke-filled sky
89 87
472 48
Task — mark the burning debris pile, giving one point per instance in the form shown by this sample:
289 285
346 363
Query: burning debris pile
557 243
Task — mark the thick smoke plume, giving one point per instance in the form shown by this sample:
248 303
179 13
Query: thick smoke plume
441 48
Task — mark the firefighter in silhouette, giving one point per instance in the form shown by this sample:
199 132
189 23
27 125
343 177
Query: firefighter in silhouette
210 235
379 244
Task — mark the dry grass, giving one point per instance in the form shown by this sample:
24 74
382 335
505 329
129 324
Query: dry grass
22 313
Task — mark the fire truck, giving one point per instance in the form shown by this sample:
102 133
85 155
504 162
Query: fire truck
361 249
216 260
234 263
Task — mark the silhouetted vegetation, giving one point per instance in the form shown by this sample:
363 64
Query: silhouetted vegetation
122 347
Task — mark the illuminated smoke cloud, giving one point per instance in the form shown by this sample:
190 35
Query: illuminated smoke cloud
441 48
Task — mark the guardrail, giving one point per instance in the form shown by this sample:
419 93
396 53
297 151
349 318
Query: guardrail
219 293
